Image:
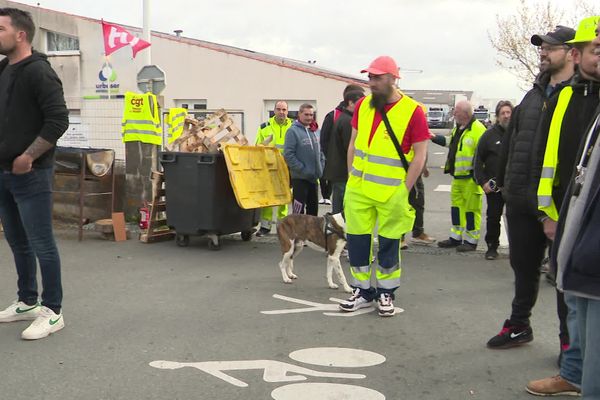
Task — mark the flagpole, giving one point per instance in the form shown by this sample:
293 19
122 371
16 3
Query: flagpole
146 32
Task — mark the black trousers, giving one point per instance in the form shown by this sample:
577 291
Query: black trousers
495 204
527 248
306 199
416 198
325 188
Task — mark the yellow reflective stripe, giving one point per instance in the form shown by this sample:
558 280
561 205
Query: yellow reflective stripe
464 159
362 276
465 168
389 279
548 172
140 131
179 115
376 178
384 161
544 201
550 164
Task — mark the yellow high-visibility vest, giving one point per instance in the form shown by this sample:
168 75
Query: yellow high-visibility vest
272 128
141 119
463 163
549 177
175 122
377 168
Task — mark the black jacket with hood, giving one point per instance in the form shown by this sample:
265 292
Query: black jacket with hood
522 156
579 113
34 107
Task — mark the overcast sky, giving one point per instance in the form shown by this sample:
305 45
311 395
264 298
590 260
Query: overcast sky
445 39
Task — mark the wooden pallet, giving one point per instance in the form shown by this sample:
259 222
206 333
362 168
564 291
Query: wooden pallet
208 135
158 230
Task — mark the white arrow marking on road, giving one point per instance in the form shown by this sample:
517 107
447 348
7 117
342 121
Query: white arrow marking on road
313 306
442 188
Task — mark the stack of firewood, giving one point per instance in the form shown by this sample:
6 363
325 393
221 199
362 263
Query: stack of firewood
207 135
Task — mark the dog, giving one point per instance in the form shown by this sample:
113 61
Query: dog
327 233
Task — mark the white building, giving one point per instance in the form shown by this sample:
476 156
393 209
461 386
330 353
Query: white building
200 75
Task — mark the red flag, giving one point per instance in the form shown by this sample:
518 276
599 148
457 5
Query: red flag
116 37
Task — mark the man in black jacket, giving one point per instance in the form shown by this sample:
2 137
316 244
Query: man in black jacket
485 173
325 138
336 162
33 116
519 173
563 127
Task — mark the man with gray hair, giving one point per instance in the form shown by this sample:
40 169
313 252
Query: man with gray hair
465 194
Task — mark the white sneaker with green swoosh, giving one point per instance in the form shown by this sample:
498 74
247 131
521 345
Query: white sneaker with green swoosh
19 311
46 323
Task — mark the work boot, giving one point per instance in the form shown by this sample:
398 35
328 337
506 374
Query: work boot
492 252
449 243
465 247
423 238
554 386
511 335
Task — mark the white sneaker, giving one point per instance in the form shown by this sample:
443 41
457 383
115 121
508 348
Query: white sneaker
46 323
19 311
385 305
327 201
355 302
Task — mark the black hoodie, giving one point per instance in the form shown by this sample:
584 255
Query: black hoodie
32 106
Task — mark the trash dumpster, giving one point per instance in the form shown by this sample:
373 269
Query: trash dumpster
200 198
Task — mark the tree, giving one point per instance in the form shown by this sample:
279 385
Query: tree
513 33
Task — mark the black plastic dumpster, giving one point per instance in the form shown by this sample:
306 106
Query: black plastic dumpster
200 199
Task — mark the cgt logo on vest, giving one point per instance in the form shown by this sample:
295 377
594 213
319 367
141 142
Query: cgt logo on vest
107 77
137 102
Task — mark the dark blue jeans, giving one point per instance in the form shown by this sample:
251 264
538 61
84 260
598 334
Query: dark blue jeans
26 214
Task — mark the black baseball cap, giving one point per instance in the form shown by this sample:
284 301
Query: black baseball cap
560 35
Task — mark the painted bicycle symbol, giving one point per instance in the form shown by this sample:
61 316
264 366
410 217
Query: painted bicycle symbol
282 372
329 309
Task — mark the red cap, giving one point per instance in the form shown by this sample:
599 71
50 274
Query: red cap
383 65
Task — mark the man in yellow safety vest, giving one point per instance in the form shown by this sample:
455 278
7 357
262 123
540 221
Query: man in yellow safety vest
272 133
466 194
386 125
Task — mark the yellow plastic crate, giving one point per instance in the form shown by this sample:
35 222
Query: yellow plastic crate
259 176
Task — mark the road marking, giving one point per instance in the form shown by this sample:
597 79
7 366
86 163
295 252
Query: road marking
442 188
282 372
330 309
274 371
337 357
325 391
439 153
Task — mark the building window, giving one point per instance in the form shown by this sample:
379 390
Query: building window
59 42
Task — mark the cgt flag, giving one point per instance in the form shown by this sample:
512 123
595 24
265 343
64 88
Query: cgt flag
116 37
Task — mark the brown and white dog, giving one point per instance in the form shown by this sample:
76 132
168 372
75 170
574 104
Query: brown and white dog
327 232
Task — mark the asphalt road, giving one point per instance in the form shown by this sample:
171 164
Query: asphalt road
133 311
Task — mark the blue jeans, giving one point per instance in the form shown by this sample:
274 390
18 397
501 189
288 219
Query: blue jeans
571 363
588 321
26 214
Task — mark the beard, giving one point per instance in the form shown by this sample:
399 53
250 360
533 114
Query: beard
378 101
504 125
